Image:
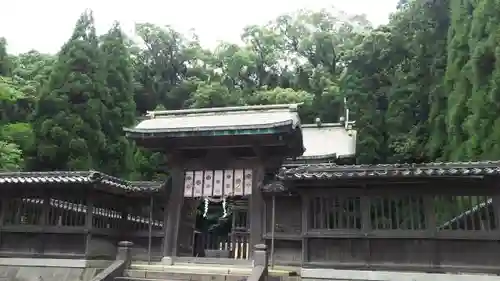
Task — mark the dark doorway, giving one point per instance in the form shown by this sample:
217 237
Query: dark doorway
212 237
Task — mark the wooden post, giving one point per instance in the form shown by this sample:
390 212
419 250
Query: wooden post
88 222
3 210
495 201
273 228
44 219
305 200
431 229
174 208
366 223
150 226
256 208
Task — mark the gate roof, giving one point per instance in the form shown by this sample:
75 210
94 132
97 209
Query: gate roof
217 121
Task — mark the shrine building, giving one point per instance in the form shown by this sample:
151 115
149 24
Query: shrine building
271 180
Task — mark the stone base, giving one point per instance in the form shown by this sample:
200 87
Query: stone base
167 260
322 274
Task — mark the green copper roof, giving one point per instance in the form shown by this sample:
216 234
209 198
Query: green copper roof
234 120
333 140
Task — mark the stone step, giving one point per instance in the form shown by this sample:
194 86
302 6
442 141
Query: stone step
140 279
181 276
195 269
211 269
157 275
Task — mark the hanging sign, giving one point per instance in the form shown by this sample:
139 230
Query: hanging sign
218 183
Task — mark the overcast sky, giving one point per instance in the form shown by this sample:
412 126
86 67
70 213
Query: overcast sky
45 25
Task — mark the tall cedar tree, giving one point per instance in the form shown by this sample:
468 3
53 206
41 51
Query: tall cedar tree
494 94
439 20
483 42
4 58
68 114
117 157
458 79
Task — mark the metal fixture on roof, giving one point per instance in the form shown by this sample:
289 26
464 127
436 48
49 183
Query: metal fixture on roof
346 113
318 121
342 120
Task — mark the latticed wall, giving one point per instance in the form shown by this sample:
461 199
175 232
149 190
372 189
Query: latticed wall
77 214
398 226
61 225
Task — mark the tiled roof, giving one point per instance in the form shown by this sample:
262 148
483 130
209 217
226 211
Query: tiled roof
332 171
274 187
224 118
328 140
77 177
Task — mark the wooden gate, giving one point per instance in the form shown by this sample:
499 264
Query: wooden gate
234 244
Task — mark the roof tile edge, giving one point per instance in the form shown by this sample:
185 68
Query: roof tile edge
293 107
327 125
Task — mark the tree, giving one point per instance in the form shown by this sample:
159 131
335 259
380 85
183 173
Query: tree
5 63
14 135
67 118
119 105
10 157
457 79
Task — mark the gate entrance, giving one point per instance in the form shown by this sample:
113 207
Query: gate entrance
220 153
221 229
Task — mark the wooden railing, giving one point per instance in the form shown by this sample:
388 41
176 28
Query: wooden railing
40 226
237 244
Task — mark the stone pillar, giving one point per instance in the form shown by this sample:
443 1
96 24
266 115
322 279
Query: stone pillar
260 255
124 252
261 259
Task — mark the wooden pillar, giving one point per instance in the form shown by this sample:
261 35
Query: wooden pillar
366 222
306 199
165 219
44 219
495 201
256 208
3 211
431 229
173 212
88 223
124 207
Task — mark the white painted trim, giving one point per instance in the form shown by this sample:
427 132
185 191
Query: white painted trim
366 275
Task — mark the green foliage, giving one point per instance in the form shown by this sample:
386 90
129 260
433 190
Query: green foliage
424 87
119 109
5 63
10 157
67 120
14 137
